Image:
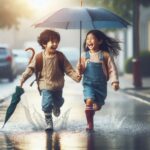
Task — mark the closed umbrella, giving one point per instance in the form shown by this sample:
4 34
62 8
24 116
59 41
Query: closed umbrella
16 97
14 101
82 18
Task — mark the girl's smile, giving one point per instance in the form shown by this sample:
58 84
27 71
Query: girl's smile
92 42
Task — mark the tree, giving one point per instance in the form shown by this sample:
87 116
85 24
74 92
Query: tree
124 8
11 11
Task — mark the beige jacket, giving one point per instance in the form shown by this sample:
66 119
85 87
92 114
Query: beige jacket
109 67
52 77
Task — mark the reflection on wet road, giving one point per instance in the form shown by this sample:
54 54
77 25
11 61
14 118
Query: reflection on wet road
122 124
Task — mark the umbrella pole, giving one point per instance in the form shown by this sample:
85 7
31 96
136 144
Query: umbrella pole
80 42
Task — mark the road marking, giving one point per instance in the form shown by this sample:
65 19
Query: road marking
139 99
140 93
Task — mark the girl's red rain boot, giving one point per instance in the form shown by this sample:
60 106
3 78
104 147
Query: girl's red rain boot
89 116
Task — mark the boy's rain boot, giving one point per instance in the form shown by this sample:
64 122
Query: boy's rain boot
49 121
89 116
56 111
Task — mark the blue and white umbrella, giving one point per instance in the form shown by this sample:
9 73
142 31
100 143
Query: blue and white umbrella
83 18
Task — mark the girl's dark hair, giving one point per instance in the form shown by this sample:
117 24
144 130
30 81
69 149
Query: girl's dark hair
46 36
109 44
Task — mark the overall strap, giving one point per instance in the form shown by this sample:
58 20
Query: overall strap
87 55
101 56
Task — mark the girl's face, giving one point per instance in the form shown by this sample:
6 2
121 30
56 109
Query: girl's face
92 42
51 46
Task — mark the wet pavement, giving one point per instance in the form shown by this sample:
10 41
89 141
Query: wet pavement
122 124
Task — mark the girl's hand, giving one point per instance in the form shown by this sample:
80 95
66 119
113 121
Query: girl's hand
80 69
115 86
79 77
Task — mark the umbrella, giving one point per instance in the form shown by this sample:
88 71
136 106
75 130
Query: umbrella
14 101
83 18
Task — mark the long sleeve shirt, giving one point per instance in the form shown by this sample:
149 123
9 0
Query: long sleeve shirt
109 67
52 76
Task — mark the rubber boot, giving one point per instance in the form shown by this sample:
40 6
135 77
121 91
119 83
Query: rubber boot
49 121
89 116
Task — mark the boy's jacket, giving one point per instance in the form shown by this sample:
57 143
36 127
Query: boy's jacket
51 74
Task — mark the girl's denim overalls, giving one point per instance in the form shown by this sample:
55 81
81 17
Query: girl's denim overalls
94 81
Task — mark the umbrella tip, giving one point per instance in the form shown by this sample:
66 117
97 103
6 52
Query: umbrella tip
3 126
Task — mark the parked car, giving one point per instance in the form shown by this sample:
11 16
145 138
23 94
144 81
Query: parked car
21 59
7 64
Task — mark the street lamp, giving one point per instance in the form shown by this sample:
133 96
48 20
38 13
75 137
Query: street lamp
137 81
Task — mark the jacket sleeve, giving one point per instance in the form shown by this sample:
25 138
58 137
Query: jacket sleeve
29 70
112 69
69 70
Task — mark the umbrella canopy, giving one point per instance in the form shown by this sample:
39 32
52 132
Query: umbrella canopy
14 101
88 18
82 18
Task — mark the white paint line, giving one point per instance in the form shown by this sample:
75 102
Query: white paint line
139 99
140 93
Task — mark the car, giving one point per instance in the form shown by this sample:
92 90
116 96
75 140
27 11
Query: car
7 64
21 60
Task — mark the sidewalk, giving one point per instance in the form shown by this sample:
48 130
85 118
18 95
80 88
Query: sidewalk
126 85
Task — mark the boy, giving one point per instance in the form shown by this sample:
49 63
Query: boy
51 78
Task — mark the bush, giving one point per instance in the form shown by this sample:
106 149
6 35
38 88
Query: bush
128 65
144 63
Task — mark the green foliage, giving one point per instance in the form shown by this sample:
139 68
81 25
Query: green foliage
144 63
123 8
145 3
128 65
11 11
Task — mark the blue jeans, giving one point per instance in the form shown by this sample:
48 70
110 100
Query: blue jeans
51 98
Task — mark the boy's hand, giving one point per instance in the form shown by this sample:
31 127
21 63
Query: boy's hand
79 77
115 86
21 83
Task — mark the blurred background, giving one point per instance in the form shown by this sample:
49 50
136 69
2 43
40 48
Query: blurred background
124 121
18 17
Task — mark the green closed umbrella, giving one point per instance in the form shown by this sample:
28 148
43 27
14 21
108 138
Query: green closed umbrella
14 101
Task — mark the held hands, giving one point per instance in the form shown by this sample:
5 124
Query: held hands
80 69
115 86
79 74
79 77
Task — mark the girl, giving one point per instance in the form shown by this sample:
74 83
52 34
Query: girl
97 66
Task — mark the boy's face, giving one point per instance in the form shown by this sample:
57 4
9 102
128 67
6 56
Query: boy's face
51 46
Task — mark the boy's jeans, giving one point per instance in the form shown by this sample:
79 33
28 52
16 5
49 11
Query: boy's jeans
51 98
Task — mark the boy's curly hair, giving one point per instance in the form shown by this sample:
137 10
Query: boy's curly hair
46 36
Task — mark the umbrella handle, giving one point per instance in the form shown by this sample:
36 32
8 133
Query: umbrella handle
33 53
